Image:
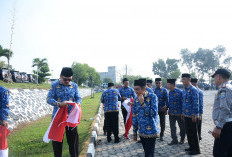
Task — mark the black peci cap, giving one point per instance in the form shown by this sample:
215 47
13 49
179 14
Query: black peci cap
125 79
194 80
186 75
157 79
172 81
110 84
222 71
136 82
149 81
140 82
66 72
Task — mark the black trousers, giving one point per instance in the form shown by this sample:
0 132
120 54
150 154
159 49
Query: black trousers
199 123
112 124
192 134
223 146
73 142
104 126
172 121
124 114
162 117
148 146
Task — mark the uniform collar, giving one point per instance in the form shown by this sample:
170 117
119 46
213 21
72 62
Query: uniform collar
63 84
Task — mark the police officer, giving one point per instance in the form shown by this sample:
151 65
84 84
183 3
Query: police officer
162 94
4 106
222 114
110 100
175 110
200 93
126 92
145 117
190 112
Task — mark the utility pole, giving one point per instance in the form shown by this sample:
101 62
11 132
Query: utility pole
126 69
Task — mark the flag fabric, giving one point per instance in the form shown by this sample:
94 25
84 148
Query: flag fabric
3 141
61 119
128 117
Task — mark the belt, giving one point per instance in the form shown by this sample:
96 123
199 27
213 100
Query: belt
229 120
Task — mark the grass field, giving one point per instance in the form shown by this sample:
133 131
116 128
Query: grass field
26 140
25 85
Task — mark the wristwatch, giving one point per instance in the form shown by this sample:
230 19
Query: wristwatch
58 104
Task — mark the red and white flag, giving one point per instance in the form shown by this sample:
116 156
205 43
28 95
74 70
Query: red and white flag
3 141
128 117
61 119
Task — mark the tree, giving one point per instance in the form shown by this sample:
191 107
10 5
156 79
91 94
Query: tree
42 69
107 80
166 69
187 59
206 62
8 54
2 64
82 73
175 74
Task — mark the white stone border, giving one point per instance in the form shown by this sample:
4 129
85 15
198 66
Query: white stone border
94 134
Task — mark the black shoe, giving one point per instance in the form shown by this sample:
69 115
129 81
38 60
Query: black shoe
194 152
109 139
188 149
173 142
181 142
161 139
117 140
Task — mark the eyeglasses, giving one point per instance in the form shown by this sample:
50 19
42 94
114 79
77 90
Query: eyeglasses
65 79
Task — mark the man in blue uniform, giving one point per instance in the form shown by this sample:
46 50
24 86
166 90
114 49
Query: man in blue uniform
162 94
222 114
110 100
145 117
175 110
4 105
149 83
126 92
148 87
200 93
61 92
190 112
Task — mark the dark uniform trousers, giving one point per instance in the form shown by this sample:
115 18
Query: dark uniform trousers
124 113
223 146
192 134
73 142
111 119
148 146
199 123
162 122
172 121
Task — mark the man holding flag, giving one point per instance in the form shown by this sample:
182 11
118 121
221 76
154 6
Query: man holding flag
110 100
59 96
4 111
127 93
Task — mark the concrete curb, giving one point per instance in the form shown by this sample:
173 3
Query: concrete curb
94 134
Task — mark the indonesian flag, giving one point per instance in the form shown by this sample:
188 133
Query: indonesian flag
61 119
3 141
128 117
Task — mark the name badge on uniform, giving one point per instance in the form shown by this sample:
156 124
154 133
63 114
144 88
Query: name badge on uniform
223 94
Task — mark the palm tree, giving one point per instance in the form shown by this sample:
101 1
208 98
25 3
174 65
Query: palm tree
39 63
8 54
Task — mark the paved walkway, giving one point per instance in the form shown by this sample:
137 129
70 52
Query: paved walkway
131 148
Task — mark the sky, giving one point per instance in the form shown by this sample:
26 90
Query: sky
106 33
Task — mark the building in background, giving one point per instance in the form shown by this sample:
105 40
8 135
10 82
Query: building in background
110 74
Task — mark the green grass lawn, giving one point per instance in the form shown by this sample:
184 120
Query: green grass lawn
27 139
25 85
28 85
